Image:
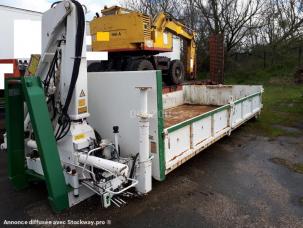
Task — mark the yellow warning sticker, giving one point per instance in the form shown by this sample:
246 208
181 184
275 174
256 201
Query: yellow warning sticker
79 136
102 36
81 102
82 110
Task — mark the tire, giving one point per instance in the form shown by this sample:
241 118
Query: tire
176 72
141 64
95 67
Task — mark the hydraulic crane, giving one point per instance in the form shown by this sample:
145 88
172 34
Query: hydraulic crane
57 144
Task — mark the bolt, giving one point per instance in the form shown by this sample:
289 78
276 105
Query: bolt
67 5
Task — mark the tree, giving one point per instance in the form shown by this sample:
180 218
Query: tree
152 7
282 20
234 18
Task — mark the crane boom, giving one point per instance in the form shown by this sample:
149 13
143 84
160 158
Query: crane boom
163 22
60 145
63 42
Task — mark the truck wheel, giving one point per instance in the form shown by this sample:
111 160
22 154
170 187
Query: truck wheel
176 72
95 67
141 64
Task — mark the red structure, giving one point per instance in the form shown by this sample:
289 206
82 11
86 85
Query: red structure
16 72
216 55
169 89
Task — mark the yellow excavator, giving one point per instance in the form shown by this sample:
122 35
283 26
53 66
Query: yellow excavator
133 41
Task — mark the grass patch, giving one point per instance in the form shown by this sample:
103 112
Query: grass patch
294 167
278 75
282 101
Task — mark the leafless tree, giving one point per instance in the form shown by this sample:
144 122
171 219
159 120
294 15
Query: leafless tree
235 18
282 20
245 23
152 7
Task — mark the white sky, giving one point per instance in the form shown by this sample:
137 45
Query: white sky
93 6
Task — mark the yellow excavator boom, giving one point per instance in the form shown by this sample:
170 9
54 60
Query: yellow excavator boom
164 22
129 35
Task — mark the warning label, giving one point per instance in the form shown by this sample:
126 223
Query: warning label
82 110
82 94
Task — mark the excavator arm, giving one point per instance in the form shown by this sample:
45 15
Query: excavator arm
163 22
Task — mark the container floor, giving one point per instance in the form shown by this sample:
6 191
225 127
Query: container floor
178 114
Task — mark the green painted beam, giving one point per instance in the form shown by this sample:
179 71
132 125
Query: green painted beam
160 126
32 176
47 146
14 119
248 97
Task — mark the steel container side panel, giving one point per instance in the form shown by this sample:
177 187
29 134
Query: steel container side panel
204 130
256 103
173 99
240 91
176 143
201 130
220 120
217 94
206 95
247 108
237 114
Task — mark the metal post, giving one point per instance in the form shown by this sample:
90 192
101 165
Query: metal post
15 133
144 174
47 146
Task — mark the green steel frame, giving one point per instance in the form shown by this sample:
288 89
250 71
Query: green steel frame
30 91
160 126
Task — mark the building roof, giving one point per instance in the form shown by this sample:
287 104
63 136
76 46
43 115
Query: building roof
15 8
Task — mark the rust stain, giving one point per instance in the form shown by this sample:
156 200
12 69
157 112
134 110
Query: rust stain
153 147
177 156
173 116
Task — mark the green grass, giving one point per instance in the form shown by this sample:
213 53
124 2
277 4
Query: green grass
295 167
278 75
282 101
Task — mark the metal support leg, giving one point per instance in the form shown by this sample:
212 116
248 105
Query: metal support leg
47 146
144 173
15 133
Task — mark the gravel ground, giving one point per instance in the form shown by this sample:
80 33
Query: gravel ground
234 183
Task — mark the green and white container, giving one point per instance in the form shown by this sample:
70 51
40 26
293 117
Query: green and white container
183 123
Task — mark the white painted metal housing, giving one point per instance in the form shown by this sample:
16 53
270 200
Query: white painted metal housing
21 32
115 101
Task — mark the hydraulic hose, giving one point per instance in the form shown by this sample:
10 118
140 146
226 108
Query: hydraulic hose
78 54
131 175
64 120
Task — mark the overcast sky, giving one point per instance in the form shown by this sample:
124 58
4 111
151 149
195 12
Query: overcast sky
93 6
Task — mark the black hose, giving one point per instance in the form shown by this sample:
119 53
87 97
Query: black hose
55 3
63 128
133 166
51 72
78 54
98 137
64 120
